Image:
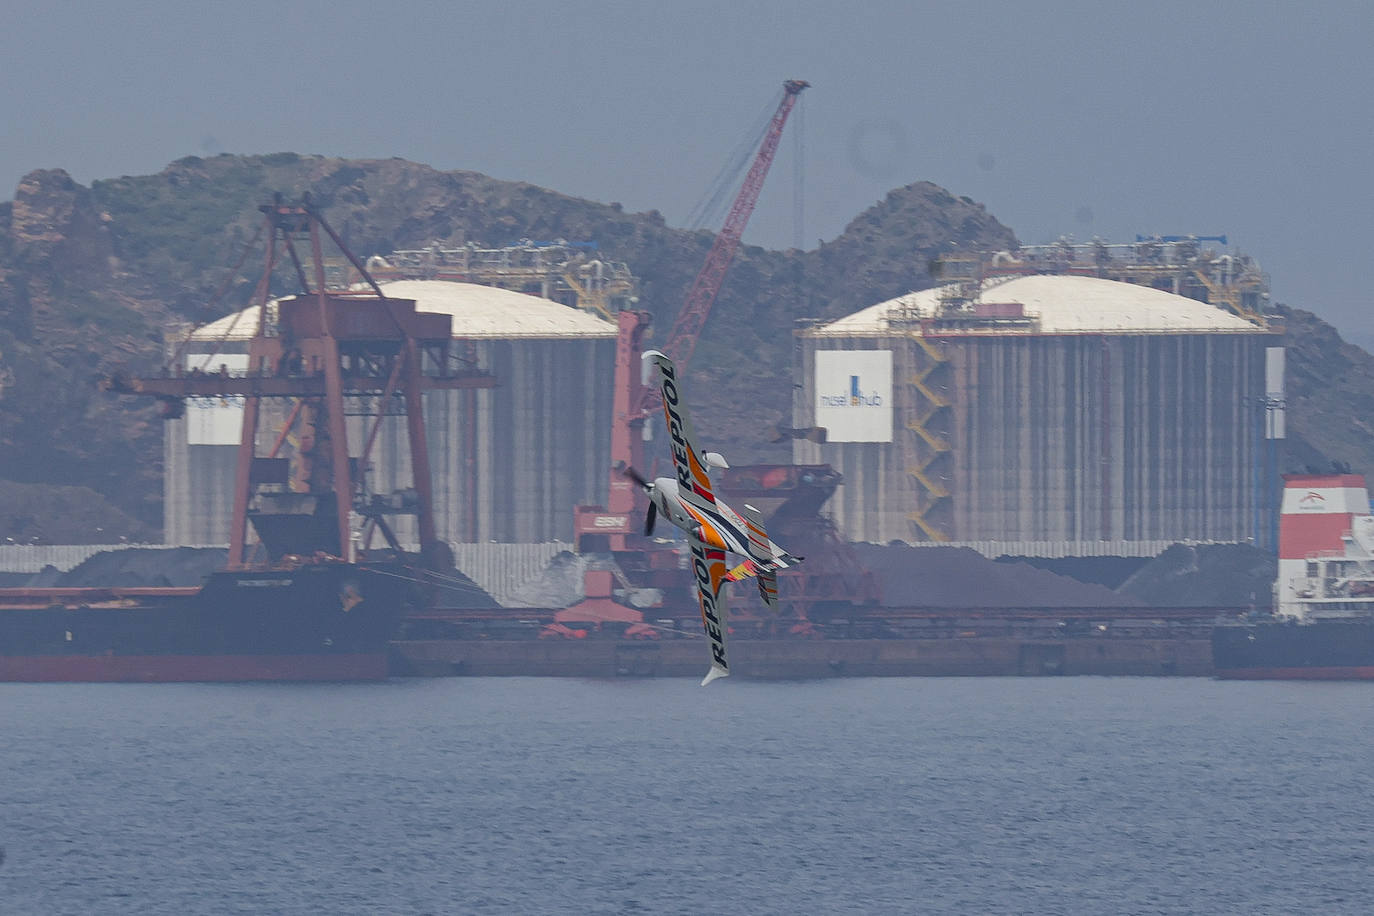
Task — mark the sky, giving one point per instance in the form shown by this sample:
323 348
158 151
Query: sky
1252 120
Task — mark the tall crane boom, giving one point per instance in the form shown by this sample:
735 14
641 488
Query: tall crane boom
615 525
682 340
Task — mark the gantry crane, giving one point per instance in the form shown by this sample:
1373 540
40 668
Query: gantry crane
327 350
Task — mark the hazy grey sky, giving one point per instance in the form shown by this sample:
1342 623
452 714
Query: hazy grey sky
1250 119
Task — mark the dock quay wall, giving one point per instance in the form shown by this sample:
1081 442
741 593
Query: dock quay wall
1188 655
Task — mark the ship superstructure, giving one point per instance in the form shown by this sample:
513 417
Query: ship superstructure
1326 549
1323 628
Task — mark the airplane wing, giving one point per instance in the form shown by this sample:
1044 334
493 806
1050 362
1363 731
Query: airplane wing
694 483
709 571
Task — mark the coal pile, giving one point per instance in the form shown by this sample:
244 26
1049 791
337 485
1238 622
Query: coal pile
1108 571
454 588
188 567
1207 575
934 577
136 567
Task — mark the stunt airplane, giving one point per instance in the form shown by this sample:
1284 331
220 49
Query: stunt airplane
713 528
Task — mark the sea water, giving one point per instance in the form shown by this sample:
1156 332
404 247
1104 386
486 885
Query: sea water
526 796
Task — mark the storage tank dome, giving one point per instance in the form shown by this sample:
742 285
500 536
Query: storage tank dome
489 311
478 312
1063 304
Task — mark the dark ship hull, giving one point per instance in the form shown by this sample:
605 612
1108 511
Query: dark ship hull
316 622
1323 650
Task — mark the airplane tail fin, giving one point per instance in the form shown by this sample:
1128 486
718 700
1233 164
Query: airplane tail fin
768 587
766 574
761 553
746 570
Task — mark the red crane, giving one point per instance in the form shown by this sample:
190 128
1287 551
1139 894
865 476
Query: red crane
682 340
617 523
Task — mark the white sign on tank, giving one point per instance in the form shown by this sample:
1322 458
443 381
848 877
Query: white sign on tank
854 395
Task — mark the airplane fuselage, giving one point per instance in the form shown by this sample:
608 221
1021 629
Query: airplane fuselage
721 528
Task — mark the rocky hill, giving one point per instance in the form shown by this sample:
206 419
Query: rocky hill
1330 397
89 277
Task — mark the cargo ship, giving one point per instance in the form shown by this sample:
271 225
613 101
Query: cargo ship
313 621
304 594
1323 622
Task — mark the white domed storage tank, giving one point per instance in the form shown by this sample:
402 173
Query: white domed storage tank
1047 415
508 463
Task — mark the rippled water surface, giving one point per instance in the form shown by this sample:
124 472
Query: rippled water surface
1072 795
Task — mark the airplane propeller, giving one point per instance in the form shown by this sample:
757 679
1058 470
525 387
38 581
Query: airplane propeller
637 478
648 488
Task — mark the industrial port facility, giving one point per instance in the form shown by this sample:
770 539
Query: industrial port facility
1083 401
1044 413
1030 408
1023 408
1072 401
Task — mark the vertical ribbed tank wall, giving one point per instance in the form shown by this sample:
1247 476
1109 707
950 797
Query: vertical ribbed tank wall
511 462
198 480
198 489
1054 438
508 463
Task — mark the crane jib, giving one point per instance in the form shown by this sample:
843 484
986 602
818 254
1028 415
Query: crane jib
691 318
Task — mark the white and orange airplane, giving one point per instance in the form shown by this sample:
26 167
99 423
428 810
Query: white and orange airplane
688 500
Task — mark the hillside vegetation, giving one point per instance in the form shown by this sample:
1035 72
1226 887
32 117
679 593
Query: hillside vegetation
90 277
